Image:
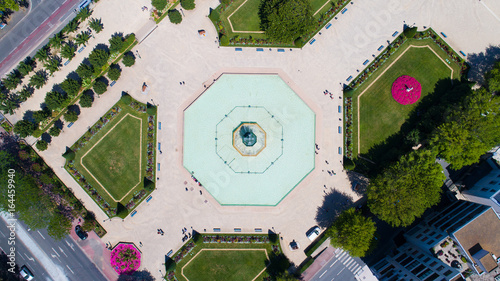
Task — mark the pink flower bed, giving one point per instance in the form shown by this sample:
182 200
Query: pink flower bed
125 259
406 90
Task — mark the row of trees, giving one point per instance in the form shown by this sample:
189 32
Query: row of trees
46 57
61 96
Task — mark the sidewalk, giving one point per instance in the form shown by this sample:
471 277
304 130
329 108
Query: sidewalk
318 263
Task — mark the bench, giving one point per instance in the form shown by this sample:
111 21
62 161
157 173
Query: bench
133 213
444 35
238 49
312 41
281 50
328 25
149 198
366 62
112 84
344 10
260 50
395 33
349 78
380 48
463 54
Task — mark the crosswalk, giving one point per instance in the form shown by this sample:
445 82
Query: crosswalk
349 263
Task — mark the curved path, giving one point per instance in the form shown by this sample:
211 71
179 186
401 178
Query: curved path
175 53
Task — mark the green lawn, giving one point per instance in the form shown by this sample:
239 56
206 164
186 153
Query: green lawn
380 115
247 17
116 160
226 265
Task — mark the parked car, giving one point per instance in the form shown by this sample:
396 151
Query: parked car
79 231
313 233
294 245
26 273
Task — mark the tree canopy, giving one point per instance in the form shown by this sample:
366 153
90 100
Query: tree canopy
470 131
188 4
159 4
286 20
98 57
406 189
9 4
54 100
353 232
128 60
24 128
174 16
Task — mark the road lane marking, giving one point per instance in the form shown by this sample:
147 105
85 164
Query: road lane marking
70 269
3 234
71 245
40 234
30 259
63 251
341 271
333 263
322 274
55 252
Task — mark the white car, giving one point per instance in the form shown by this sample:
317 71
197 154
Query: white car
313 233
26 273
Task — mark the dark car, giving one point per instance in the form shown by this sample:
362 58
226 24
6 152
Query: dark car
79 231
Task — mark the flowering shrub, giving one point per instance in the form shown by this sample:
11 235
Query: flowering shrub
125 259
406 90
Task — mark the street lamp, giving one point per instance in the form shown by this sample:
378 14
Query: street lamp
182 12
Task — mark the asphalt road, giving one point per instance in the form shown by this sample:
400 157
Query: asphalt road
63 259
45 18
341 267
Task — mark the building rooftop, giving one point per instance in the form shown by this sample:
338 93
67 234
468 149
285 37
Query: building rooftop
483 233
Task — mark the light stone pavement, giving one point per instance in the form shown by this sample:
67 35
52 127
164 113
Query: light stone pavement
174 53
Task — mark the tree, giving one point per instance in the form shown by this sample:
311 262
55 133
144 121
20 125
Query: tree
71 86
286 20
114 72
174 16
128 60
8 105
126 98
82 38
41 145
69 155
59 225
470 131
84 70
406 189
68 51
353 232
12 80
54 131
72 26
24 128
25 93
70 116
96 25
41 115
493 78
53 64
86 100
39 79
115 43
57 40
100 87
54 100
188 4
410 32
9 5
84 14
159 4
98 58
43 53
25 68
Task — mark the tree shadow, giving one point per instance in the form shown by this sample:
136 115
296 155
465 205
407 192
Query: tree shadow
104 80
480 63
57 88
28 116
359 182
46 137
75 108
90 93
74 75
142 275
59 124
102 47
334 202
130 53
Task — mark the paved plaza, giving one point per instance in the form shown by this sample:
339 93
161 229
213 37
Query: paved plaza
175 53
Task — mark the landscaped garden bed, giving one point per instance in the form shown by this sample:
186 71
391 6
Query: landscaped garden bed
372 87
227 256
114 160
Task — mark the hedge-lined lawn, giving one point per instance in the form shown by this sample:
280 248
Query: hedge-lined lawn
380 115
247 17
116 160
226 265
